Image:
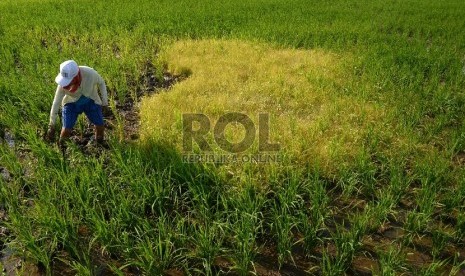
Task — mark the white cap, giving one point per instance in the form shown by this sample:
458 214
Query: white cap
68 70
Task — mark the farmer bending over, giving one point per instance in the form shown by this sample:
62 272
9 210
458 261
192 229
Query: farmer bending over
77 93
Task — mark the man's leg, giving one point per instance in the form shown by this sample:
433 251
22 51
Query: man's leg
65 133
93 112
99 133
69 116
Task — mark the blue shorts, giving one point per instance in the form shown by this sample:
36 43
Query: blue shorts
92 110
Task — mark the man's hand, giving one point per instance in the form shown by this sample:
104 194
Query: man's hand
106 111
50 133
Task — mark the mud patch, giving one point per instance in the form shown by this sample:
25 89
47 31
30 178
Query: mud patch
5 174
364 265
9 139
13 265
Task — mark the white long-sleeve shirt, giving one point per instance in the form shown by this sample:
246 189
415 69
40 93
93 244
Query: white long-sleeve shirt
91 82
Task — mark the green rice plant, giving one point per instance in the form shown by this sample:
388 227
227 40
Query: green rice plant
350 183
457 266
119 133
53 212
450 199
283 222
392 260
312 216
440 240
155 251
283 225
245 225
426 200
318 198
330 265
358 177
398 180
207 241
347 243
436 267
102 233
10 161
154 191
245 247
417 220
460 227
309 231
30 243
415 224
359 226
81 269
377 212
33 140
81 259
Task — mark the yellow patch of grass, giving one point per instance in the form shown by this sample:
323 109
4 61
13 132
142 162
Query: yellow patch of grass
301 90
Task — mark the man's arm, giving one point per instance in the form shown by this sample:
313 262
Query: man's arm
103 90
56 105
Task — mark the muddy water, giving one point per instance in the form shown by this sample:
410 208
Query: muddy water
13 265
9 139
5 174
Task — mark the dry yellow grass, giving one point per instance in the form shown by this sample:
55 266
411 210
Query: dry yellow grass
302 91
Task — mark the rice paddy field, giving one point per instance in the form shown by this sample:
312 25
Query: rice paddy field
365 101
